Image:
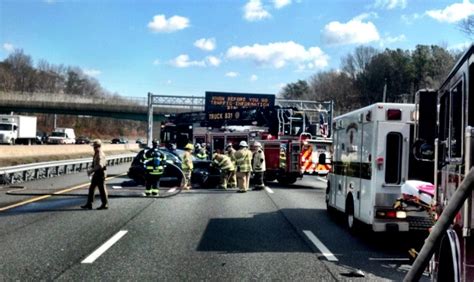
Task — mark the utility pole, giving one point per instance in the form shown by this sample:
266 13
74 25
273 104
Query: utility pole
385 92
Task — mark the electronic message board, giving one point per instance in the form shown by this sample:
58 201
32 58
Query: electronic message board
233 108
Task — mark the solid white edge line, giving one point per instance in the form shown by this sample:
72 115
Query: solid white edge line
97 253
269 190
322 248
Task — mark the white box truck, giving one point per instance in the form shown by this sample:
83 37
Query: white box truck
372 167
17 129
62 135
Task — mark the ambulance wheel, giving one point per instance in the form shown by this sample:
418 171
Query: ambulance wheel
351 221
331 211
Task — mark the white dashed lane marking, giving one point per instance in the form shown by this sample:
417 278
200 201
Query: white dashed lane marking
322 248
322 179
269 190
102 249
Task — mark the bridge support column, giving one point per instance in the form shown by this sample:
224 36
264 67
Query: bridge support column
149 135
157 130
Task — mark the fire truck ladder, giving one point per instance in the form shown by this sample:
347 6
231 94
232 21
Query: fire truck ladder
310 109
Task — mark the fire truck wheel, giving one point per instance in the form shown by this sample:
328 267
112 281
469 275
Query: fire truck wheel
447 259
286 180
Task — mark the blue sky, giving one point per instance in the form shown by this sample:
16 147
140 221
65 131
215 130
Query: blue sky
187 47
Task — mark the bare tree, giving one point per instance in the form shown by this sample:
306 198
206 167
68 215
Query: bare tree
336 86
467 26
7 80
356 63
22 70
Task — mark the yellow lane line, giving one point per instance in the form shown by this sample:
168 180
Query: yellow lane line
39 198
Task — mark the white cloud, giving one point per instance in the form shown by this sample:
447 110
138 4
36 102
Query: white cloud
156 62
183 61
460 46
8 47
206 44
390 4
390 40
232 74
253 77
409 19
254 11
213 61
279 54
454 13
281 3
354 31
161 24
92 72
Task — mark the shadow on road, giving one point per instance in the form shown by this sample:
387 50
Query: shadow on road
267 232
381 254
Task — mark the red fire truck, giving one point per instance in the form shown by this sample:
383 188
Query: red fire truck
282 126
282 156
286 161
449 143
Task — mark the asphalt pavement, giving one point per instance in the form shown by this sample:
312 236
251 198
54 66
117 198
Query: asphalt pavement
204 234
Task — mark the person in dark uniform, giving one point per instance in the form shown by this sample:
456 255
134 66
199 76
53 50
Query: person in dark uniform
154 163
98 172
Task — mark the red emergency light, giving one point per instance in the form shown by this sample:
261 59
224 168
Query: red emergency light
394 114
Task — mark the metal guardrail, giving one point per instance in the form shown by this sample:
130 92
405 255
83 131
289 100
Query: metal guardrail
42 170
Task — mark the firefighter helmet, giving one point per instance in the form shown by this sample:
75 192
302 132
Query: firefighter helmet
228 145
97 143
243 143
189 146
257 144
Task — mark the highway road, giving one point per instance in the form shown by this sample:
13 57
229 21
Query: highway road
281 233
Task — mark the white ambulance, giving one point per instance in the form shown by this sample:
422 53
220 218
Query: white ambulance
371 161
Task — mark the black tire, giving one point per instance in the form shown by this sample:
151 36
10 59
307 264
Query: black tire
286 180
331 211
350 221
446 261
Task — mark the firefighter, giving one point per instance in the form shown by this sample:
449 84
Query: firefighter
187 165
154 163
243 161
201 152
226 167
230 152
197 148
258 165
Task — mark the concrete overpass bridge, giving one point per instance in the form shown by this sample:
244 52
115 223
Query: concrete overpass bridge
132 108
120 107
